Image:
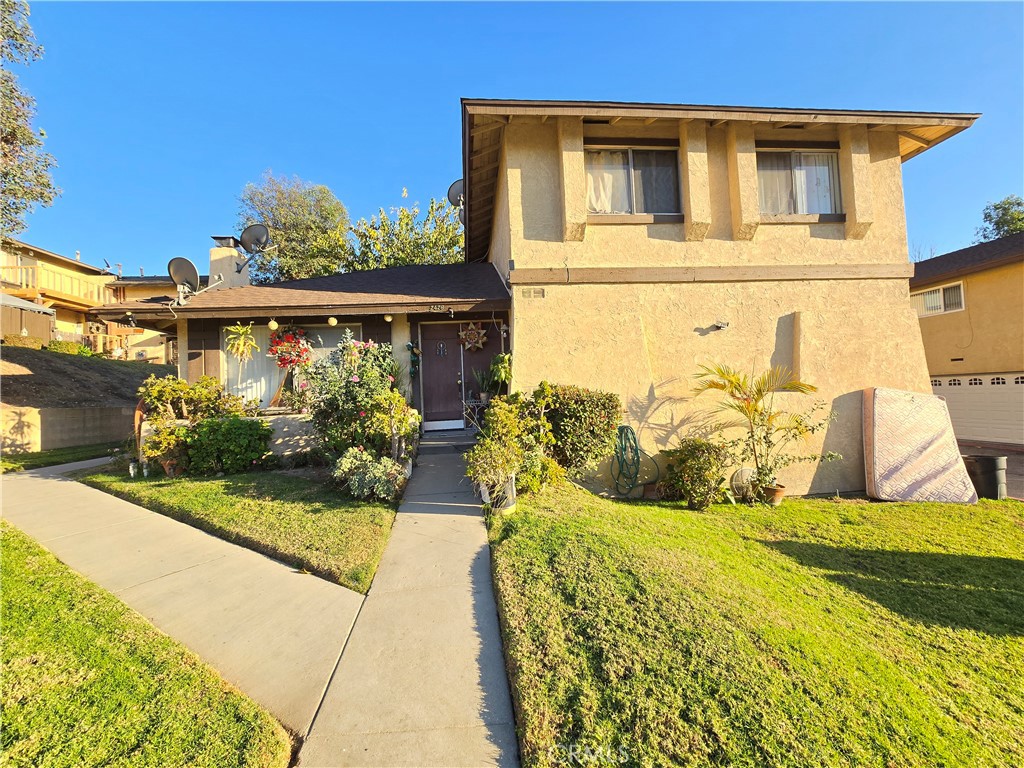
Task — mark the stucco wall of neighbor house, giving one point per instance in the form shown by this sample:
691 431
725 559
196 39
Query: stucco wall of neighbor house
988 333
645 342
643 337
152 343
40 429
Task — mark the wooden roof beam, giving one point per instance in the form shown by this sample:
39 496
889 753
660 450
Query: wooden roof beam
479 130
917 139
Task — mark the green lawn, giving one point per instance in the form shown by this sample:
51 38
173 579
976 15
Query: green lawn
17 462
822 633
88 682
296 519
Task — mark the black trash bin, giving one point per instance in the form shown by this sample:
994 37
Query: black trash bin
988 473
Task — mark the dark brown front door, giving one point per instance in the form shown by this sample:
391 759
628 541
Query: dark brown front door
441 364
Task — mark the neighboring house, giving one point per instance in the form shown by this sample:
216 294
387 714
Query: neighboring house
971 307
619 246
51 281
143 343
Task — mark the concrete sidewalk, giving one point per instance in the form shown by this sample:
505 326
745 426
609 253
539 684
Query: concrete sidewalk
422 681
273 632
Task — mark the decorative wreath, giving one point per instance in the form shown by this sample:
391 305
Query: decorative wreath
473 337
291 347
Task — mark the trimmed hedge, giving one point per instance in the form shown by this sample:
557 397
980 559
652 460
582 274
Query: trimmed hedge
69 348
228 445
29 342
583 424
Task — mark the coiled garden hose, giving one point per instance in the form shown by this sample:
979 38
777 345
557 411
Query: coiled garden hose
627 460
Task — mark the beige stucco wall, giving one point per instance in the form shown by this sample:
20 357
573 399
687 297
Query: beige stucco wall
988 333
532 181
644 341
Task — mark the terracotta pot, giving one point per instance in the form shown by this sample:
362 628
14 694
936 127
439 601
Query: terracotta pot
170 467
774 494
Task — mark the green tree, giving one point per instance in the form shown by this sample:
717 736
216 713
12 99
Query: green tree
25 179
308 228
1001 219
403 238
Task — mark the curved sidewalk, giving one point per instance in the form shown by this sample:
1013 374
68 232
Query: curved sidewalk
271 631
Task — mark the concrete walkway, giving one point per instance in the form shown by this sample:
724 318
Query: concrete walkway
422 680
271 631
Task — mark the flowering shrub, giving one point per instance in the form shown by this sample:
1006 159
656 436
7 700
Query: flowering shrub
291 348
352 401
369 477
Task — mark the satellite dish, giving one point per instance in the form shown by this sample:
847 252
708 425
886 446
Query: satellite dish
255 238
457 193
462 216
184 273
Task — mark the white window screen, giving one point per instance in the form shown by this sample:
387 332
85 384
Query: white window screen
798 182
952 297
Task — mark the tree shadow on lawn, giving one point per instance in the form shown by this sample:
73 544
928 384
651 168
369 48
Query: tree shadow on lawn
985 594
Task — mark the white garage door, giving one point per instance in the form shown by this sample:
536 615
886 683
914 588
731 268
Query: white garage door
985 406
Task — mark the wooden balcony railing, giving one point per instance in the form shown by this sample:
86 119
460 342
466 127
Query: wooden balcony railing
37 282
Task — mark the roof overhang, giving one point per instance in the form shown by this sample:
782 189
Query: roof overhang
484 120
953 274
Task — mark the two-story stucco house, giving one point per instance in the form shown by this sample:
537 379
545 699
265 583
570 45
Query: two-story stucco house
971 306
618 246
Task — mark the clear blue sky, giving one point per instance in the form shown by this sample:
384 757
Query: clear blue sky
158 114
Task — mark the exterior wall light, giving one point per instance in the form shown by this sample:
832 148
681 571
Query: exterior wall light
272 325
332 321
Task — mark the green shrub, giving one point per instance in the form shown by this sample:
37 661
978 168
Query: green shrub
166 442
228 445
370 477
173 398
583 425
69 348
696 473
29 342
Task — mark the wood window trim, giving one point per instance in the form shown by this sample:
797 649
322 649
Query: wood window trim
635 218
830 146
803 218
600 142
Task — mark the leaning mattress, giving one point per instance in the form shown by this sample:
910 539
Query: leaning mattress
910 451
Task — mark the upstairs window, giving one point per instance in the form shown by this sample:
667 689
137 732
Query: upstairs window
936 301
794 182
632 181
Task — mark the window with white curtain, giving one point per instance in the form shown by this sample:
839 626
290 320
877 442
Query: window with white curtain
260 377
936 301
628 181
795 182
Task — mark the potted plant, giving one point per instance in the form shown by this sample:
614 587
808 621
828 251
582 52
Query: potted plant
771 433
485 383
501 372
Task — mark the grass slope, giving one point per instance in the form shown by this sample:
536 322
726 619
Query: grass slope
89 682
822 633
298 520
37 378
18 462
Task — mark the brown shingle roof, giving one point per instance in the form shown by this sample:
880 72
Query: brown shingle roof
413 288
994 253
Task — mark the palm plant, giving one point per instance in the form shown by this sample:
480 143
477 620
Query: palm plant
770 433
241 344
